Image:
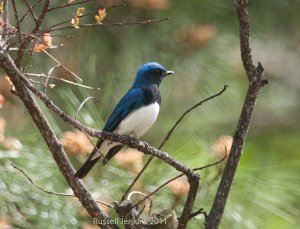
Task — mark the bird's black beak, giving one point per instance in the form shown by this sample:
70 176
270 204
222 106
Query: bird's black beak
166 73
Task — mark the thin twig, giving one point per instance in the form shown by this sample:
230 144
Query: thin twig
200 211
51 192
42 83
82 16
82 104
64 67
178 176
17 19
69 4
35 185
188 111
142 194
31 11
107 24
63 80
27 40
32 7
48 76
170 132
5 21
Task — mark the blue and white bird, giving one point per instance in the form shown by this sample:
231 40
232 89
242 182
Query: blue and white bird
135 113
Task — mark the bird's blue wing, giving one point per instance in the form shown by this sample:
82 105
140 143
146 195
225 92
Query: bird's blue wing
131 101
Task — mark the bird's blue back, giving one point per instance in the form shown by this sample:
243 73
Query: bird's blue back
137 96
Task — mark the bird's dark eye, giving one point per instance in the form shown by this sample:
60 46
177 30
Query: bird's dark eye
157 71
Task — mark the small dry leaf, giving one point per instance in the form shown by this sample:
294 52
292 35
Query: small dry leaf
47 39
101 15
39 47
80 11
76 142
1 8
75 22
47 42
2 100
70 1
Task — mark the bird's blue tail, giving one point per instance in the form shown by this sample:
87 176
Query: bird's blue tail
89 163
87 166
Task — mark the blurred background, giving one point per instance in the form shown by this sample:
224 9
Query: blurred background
200 43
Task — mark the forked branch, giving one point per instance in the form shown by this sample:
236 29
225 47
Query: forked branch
256 82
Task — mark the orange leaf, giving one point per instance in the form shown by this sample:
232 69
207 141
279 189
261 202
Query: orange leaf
70 1
39 47
101 15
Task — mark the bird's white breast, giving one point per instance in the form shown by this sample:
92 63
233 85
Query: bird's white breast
139 121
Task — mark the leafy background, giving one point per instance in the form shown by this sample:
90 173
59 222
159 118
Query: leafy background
200 43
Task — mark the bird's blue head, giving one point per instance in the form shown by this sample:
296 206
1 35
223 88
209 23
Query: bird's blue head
149 74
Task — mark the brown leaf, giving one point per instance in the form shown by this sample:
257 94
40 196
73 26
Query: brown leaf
76 142
196 36
179 187
131 159
39 47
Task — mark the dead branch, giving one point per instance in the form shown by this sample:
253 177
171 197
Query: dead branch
48 76
256 82
67 70
107 24
42 75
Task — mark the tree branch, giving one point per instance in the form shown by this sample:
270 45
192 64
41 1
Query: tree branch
166 138
256 82
55 147
21 84
178 176
27 40
150 21
50 192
